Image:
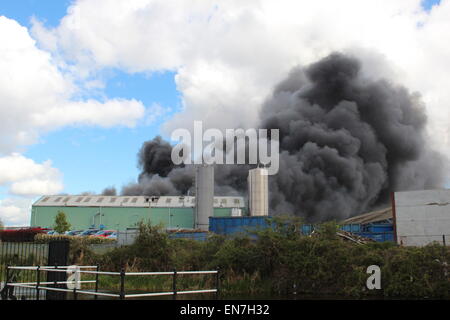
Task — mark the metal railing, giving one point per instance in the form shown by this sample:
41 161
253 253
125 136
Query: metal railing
43 285
424 239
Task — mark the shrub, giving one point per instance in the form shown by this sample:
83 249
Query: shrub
61 224
151 250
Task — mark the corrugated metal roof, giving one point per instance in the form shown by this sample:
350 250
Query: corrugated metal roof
134 201
371 217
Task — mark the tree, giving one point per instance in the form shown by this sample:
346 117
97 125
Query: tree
1 224
61 224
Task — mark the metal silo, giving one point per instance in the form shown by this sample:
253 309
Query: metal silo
204 196
258 192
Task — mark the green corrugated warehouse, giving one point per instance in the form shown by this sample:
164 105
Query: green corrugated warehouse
120 213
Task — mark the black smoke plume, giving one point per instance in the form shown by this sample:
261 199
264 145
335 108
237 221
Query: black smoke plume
159 175
346 142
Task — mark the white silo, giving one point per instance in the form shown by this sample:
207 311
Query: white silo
258 192
204 196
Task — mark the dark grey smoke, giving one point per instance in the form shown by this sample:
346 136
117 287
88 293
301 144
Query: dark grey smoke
159 176
155 157
179 181
111 191
346 142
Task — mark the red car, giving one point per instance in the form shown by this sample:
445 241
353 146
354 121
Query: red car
103 233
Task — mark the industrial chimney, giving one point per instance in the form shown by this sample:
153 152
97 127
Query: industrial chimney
258 192
204 196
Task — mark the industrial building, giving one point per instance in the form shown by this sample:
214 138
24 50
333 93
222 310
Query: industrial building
376 225
415 218
421 217
122 212
172 212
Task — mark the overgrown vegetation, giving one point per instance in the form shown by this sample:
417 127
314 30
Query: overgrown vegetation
80 250
45 238
280 261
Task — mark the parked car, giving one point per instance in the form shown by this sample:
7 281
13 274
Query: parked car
52 233
104 233
88 232
74 232
112 236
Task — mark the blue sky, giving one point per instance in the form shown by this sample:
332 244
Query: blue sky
94 158
49 11
427 4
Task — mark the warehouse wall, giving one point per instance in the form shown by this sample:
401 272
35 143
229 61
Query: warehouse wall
422 217
119 218
222 212
85 217
173 217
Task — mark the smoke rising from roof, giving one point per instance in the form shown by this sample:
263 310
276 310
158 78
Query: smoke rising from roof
346 142
111 191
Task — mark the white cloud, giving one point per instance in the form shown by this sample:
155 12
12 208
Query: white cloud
15 212
92 112
228 55
35 187
25 177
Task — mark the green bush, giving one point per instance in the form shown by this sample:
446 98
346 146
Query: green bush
150 251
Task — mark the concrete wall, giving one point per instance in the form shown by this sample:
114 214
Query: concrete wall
422 217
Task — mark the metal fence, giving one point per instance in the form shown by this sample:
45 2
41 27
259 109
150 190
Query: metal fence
21 253
40 286
422 240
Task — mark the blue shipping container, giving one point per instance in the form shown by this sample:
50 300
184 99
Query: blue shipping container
351 228
230 225
377 236
200 236
380 227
